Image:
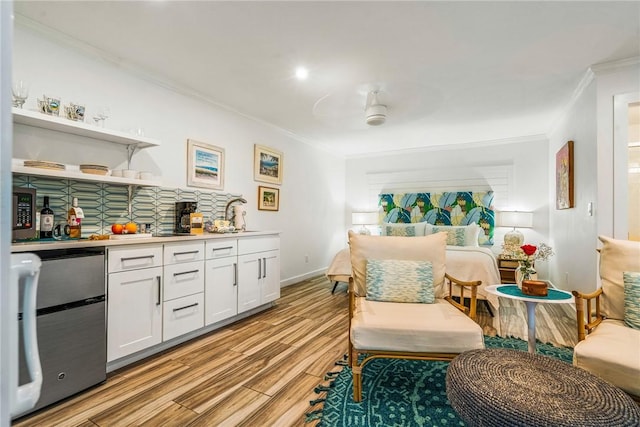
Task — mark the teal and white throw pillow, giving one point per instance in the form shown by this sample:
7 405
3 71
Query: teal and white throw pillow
394 280
455 235
632 299
403 230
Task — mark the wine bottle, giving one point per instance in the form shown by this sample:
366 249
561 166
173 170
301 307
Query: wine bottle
74 219
46 220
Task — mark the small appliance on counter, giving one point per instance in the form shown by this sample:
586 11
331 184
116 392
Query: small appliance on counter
183 217
23 213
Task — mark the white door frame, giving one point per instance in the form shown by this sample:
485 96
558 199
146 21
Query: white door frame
620 188
6 146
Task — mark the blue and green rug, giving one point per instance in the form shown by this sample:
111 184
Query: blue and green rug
404 393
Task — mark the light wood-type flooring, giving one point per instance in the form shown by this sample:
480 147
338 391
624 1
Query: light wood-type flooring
260 371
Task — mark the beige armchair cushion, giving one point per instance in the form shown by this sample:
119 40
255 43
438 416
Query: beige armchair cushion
425 248
616 256
413 327
612 352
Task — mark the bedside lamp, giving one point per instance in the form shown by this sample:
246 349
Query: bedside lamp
515 219
364 219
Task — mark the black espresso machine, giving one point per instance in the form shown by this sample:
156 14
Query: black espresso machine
182 224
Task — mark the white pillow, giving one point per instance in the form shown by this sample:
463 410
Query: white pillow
471 232
403 230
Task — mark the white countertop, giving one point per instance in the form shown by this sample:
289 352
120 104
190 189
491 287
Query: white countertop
45 245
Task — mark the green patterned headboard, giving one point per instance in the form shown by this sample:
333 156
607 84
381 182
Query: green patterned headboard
449 208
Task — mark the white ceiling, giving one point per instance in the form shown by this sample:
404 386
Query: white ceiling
450 72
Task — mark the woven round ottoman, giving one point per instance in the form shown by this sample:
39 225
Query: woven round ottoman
499 387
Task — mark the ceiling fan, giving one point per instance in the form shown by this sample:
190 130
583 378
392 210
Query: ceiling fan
375 111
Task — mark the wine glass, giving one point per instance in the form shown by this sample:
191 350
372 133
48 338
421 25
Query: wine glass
20 90
101 114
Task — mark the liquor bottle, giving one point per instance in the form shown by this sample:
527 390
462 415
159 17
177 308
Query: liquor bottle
46 220
74 219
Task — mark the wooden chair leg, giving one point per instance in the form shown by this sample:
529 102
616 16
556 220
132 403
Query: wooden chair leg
357 383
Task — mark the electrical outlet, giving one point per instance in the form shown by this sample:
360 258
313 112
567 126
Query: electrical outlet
306 259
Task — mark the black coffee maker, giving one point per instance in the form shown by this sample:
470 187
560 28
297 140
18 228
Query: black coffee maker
183 217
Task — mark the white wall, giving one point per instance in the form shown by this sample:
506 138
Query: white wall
525 162
589 123
573 231
311 196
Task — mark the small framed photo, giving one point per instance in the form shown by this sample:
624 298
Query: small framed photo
205 165
268 198
267 164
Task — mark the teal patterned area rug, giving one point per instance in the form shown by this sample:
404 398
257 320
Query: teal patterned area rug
404 393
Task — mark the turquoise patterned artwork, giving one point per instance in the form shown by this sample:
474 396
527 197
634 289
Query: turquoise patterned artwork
456 208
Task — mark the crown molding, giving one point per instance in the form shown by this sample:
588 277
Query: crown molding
64 39
613 66
582 85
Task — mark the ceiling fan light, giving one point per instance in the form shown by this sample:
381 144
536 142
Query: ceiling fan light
376 114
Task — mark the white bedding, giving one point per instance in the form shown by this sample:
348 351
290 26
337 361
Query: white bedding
474 263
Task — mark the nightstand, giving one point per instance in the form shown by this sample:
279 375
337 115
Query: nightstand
507 269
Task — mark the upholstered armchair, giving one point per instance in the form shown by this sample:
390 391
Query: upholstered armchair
609 327
399 306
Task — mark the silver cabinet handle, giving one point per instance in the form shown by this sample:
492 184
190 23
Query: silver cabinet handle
185 253
259 269
264 270
158 278
136 257
235 274
186 306
222 248
185 272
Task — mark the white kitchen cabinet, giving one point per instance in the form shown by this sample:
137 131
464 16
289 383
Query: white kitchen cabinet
258 271
221 290
134 311
184 276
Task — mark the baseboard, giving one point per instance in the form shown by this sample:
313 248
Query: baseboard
297 279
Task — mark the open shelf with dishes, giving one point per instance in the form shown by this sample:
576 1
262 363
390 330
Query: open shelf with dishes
61 124
81 176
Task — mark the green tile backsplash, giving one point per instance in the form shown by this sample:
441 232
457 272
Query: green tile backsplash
105 204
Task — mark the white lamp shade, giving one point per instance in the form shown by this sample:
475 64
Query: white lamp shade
364 218
515 219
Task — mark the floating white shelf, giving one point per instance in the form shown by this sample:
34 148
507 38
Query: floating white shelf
80 176
60 124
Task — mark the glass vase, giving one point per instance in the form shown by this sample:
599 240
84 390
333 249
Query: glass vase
525 273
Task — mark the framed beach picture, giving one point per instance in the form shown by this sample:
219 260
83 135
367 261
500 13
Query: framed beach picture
268 198
267 164
564 177
205 165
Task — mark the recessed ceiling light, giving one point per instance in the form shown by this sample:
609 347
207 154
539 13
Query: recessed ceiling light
302 73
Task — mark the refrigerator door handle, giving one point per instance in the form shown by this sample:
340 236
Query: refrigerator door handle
26 266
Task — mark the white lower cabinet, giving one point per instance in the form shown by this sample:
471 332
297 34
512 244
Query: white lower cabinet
159 292
258 271
134 311
183 315
184 275
221 289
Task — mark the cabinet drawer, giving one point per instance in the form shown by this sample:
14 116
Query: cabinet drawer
251 245
183 279
183 315
183 252
221 248
134 258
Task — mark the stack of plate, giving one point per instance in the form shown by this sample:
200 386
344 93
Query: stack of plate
94 169
44 164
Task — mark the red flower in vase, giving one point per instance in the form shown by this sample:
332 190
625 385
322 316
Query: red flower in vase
529 249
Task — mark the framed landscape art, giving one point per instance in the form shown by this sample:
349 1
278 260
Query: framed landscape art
205 165
268 198
564 177
267 164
